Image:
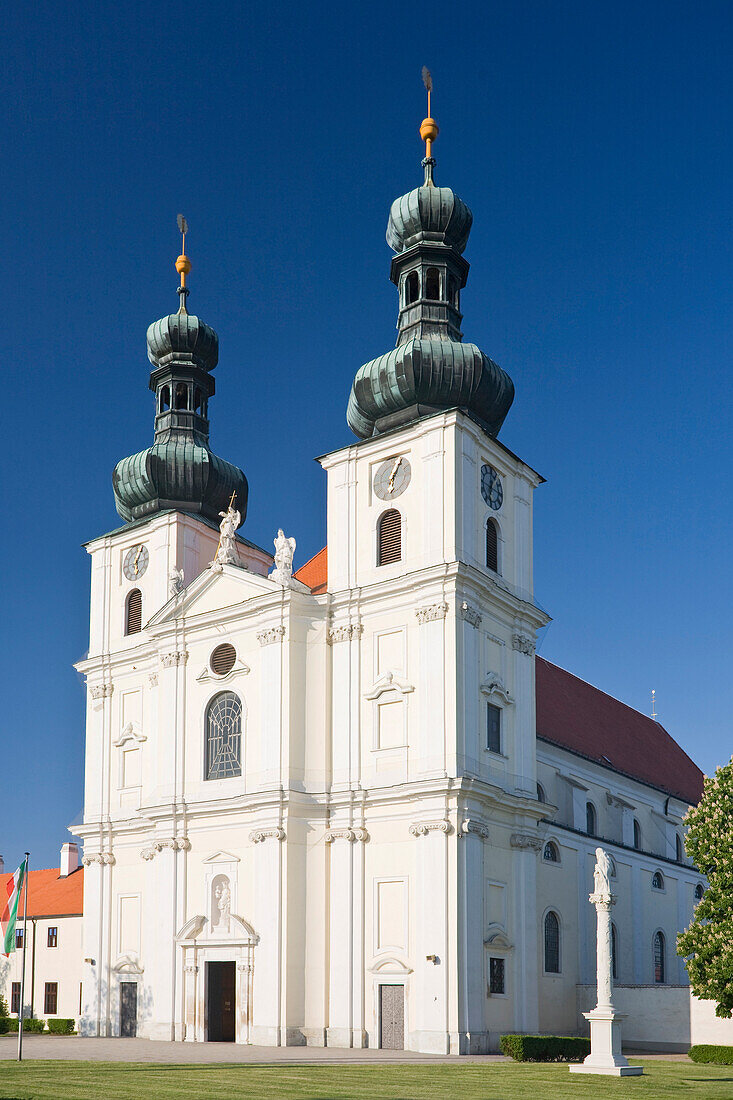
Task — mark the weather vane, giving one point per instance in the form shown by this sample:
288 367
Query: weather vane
428 127
183 264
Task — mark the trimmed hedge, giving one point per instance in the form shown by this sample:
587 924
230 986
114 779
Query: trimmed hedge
33 1027
6 1025
708 1052
545 1048
62 1025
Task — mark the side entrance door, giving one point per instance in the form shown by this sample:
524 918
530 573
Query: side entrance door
128 1009
392 1017
221 978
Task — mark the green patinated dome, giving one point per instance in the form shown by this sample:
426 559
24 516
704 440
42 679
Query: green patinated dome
431 368
429 213
179 470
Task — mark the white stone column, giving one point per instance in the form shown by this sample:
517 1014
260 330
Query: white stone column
429 1031
472 994
267 1026
346 936
190 971
605 1023
244 999
345 642
526 979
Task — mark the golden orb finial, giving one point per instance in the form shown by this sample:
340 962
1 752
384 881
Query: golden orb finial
428 127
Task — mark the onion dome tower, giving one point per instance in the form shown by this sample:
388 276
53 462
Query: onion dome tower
430 368
179 471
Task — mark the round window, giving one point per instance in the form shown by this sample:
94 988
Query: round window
222 659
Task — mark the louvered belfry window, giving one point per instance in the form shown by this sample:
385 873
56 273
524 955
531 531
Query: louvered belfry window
389 547
134 612
223 658
492 546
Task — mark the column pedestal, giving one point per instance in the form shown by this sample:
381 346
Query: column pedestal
605 1045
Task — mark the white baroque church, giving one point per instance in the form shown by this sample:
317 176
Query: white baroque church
350 806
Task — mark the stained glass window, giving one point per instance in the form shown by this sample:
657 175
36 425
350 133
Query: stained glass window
224 736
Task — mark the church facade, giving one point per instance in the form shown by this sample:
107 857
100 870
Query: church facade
349 806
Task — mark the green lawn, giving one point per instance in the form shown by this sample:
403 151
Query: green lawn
501 1081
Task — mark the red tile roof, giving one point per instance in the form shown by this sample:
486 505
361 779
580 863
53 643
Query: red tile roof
315 572
580 717
51 896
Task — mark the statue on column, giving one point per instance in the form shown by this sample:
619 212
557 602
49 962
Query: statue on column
284 554
225 551
605 1022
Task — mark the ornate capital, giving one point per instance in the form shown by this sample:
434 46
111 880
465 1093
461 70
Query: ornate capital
346 834
101 858
603 901
494 685
523 644
422 828
176 657
191 969
101 691
175 843
476 827
471 615
430 612
258 835
345 633
525 842
153 679
148 853
245 967
274 634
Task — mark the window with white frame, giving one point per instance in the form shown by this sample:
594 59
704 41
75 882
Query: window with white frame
493 728
552 943
224 736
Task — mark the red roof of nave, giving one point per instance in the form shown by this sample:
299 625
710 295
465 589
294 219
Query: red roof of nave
315 572
49 895
577 716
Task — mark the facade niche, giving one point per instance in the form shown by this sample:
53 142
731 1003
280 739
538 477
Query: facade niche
221 904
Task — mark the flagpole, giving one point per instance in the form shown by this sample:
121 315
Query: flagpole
22 970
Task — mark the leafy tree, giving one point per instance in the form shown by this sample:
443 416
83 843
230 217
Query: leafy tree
3 1006
707 945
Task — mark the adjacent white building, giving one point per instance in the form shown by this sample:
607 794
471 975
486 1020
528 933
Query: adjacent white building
351 807
53 957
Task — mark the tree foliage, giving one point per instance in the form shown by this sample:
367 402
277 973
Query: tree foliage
707 945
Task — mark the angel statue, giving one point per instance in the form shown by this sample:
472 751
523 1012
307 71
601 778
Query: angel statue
225 552
284 553
602 873
175 582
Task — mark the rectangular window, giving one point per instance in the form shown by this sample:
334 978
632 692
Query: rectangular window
18 939
493 728
50 998
15 998
53 937
496 976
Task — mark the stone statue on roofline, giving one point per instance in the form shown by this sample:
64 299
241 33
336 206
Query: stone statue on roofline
284 554
225 552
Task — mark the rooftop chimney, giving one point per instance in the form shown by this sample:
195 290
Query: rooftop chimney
69 859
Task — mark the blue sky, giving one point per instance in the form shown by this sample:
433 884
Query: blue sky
593 144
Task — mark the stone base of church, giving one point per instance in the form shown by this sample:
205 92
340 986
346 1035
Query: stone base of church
346 1037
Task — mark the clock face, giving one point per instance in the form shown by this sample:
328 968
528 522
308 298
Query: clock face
135 563
392 478
491 487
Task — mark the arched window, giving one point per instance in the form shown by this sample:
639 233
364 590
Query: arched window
550 852
492 545
679 850
165 399
659 967
181 396
389 537
657 881
552 943
637 835
590 819
699 892
224 736
432 284
541 796
134 612
614 951
412 288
